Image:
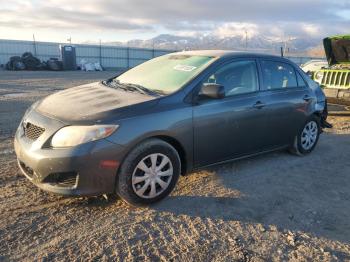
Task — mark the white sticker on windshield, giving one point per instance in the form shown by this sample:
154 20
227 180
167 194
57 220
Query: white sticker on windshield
185 68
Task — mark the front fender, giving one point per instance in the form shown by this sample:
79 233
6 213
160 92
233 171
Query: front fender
173 124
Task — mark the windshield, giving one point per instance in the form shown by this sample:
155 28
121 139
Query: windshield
165 74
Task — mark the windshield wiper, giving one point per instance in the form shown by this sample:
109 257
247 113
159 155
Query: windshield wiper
132 87
141 89
114 84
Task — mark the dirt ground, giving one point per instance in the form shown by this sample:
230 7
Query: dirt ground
274 207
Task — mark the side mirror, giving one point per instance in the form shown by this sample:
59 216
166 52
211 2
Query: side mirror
310 74
212 90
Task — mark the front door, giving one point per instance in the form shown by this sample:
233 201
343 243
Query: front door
229 127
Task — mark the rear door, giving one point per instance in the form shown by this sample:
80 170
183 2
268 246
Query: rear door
229 127
286 97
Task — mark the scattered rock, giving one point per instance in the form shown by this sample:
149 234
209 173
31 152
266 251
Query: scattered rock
273 228
291 238
261 228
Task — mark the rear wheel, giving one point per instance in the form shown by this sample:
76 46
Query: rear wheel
306 139
149 173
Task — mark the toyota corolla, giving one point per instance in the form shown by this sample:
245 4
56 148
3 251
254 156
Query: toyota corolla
136 133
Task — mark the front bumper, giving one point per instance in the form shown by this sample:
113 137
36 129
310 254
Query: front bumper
75 171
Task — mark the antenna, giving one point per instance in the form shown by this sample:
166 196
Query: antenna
34 45
100 49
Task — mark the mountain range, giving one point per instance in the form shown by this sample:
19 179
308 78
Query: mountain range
258 43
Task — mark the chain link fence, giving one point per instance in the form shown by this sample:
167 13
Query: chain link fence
107 56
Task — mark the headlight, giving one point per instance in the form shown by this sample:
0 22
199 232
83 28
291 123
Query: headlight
319 76
75 135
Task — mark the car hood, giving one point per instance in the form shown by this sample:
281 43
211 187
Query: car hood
93 102
337 49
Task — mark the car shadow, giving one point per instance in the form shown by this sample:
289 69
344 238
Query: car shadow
310 193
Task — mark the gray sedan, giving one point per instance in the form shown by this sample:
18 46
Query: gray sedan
136 133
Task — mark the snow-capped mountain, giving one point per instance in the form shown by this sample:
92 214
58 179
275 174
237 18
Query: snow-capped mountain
254 43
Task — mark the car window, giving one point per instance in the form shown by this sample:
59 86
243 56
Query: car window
278 75
301 81
237 77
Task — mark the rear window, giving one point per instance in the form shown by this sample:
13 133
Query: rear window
301 81
277 75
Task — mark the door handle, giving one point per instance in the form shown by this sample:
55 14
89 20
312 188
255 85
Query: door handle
259 105
307 98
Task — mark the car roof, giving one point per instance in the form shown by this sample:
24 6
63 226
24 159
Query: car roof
226 54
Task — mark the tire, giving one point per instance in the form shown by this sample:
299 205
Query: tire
300 146
54 64
135 186
13 61
26 55
19 66
30 61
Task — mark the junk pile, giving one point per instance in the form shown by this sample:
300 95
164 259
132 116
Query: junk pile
29 62
54 64
88 66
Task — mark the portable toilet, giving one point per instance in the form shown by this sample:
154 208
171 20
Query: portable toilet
68 57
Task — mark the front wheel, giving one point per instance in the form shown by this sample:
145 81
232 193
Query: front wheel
306 139
149 173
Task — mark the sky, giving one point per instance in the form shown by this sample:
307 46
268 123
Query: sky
122 20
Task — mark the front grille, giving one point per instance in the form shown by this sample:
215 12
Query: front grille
32 131
336 79
65 179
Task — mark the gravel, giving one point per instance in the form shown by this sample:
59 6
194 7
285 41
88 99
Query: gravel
274 207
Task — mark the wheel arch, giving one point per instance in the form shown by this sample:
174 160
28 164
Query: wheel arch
318 115
185 162
178 147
